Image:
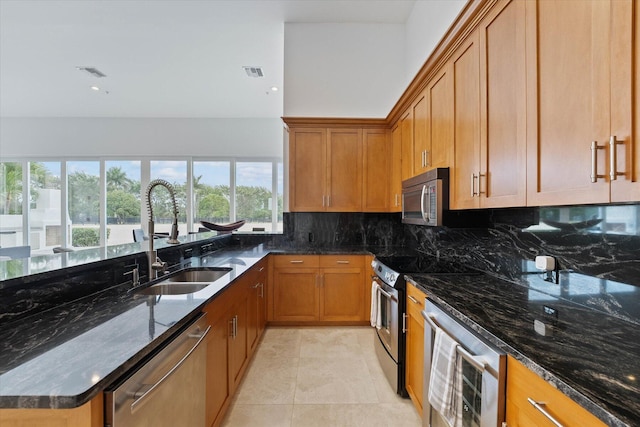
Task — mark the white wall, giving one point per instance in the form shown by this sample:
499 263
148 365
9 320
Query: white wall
427 24
342 70
76 137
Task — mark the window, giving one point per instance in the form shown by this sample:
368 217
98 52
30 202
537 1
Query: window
175 172
45 220
123 200
84 202
211 193
11 192
254 195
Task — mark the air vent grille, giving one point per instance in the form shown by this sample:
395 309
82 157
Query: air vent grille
92 71
253 71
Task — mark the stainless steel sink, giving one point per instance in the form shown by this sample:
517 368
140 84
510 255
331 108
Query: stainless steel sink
185 281
173 288
197 275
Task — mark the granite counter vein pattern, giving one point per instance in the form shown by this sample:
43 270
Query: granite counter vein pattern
63 357
591 357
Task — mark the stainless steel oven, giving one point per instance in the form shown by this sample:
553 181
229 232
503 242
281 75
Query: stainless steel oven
388 330
483 372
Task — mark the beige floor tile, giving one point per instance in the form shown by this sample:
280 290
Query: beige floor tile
259 416
280 342
334 380
269 380
359 415
329 343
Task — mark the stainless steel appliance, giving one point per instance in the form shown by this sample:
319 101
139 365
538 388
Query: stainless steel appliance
483 370
168 389
425 197
390 339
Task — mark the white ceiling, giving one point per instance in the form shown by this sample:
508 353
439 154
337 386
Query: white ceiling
162 58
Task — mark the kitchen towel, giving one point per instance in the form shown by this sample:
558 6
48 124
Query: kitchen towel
445 382
375 319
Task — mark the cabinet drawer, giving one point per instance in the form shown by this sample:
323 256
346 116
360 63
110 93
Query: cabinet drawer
523 384
415 300
338 261
308 261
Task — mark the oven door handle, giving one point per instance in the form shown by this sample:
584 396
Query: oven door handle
387 294
477 362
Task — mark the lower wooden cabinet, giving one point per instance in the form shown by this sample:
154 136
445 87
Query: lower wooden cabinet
237 320
88 415
523 384
414 369
313 288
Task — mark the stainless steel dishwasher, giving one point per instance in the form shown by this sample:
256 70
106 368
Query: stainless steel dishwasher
168 390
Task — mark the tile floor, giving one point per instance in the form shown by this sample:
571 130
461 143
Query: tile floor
324 376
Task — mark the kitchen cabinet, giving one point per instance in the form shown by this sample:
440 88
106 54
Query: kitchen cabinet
325 169
421 142
319 289
414 322
523 384
377 152
229 345
579 96
406 135
88 415
439 142
490 111
257 304
395 202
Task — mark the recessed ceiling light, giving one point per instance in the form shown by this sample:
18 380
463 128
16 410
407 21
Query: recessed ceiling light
95 88
274 88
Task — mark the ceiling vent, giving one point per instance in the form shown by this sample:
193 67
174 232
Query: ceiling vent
253 71
92 71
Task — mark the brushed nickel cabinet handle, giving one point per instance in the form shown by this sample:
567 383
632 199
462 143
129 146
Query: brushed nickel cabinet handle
342 262
296 261
480 176
594 161
540 407
404 323
413 300
473 185
426 158
613 158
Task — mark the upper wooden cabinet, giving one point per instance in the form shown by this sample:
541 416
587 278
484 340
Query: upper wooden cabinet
377 175
325 170
406 135
395 204
490 113
579 95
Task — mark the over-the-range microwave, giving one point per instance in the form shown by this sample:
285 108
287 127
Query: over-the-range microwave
425 197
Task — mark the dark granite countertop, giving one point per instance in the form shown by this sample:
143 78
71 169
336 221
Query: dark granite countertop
65 356
592 354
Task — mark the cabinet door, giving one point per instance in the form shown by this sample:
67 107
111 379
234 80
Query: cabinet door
625 19
307 169
295 294
440 121
238 342
342 294
466 75
414 368
377 163
344 157
406 132
395 201
421 142
568 97
502 181
253 299
217 391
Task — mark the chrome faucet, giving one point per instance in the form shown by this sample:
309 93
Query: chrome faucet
155 263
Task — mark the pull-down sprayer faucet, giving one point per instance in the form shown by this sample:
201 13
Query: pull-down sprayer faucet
155 263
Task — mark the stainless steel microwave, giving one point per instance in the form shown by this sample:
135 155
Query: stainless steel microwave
425 197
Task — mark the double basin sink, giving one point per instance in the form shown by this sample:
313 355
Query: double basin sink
185 281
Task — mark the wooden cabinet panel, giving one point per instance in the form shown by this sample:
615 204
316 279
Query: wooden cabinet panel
284 261
377 153
395 201
238 353
334 291
466 172
523 384
295 294
440 121
421 141
308 168
217 391
88 415
568 71
503 106
344 165
406 131
415 345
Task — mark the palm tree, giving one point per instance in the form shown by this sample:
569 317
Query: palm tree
117 179
11 187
